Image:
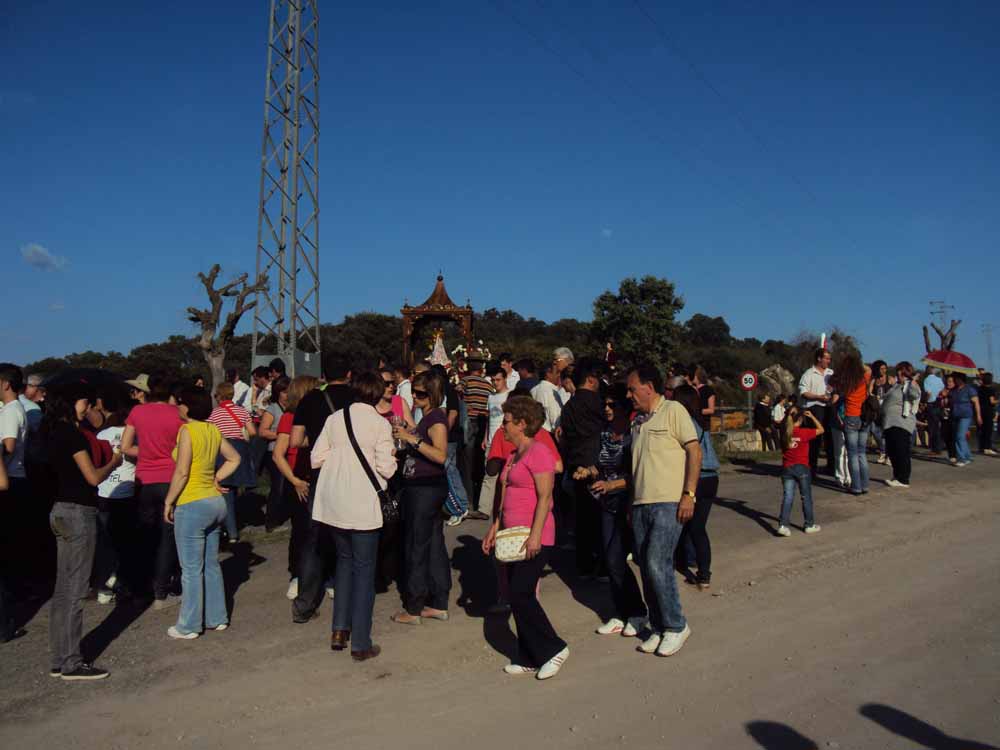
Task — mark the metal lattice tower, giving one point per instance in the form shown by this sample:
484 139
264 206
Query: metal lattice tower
286 318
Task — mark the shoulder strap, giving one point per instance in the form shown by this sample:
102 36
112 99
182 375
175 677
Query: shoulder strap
357 449
239 424
329 402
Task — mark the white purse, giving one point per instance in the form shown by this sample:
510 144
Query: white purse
510 543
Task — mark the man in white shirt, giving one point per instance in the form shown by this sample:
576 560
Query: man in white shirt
13 420
16 527
507 365
547 394
404 386
814 395
241 391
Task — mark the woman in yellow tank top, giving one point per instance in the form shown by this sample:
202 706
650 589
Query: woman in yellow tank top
197 508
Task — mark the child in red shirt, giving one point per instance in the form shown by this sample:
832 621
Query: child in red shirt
795 441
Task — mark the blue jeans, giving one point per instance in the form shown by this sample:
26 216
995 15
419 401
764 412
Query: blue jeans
624 589
962 452
354 597
455 476
657 530
197 530
792 475
857 458
879 434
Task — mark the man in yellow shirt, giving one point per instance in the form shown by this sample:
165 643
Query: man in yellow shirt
666 462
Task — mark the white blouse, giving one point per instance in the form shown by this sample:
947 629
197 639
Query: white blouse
345 497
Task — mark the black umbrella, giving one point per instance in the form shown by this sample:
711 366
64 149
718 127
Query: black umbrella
92 376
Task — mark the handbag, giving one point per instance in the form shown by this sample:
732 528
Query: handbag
387 500
509 544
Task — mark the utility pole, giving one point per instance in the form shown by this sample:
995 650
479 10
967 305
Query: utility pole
286 318
987 329
940 308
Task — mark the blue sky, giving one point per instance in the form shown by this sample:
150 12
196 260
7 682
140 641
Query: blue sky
846 173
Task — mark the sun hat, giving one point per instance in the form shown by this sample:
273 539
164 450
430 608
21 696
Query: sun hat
140 383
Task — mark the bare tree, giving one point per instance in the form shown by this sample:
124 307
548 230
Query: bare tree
214 340
947 337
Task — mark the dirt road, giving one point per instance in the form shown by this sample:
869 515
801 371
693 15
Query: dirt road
881 631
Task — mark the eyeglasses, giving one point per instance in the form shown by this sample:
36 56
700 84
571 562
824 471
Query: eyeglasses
417 393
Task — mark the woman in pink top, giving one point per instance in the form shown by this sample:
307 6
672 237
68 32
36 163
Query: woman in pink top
527 481
150 436
391 405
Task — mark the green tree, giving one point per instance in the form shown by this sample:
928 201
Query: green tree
641 319
701 330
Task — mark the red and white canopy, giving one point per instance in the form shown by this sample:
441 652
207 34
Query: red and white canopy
951 362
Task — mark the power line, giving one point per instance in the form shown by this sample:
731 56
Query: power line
734 110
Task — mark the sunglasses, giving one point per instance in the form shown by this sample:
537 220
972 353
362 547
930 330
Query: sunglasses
417 393
389 383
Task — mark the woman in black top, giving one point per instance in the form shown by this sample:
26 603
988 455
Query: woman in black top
428 574
74 522
698 379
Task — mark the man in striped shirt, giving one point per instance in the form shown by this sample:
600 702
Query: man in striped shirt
476 391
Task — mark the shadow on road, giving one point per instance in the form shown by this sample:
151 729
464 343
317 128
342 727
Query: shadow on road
119 619
765 520
915 730
477 590
775 736
236 570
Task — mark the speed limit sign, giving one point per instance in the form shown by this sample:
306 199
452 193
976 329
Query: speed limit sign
748 380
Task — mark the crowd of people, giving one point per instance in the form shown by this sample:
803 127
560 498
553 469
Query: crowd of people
129 490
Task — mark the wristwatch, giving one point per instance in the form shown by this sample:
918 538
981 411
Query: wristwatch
416 445
688 493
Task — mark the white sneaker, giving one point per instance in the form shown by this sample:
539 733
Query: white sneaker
220 628
814 529
634 626
456 520
330 591
552 666
105 597
893 483
962 463
518 669
650 645
173 632
784 531
111 582
989 452
671 643
611 627
293 589
953 460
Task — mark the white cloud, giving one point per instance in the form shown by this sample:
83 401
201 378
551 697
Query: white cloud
38 256
57 306
606 232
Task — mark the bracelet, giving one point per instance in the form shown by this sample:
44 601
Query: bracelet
416 445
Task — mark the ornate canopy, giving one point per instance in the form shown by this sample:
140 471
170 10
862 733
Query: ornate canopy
438 307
